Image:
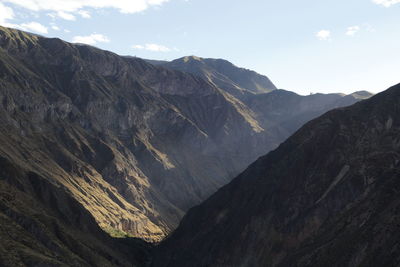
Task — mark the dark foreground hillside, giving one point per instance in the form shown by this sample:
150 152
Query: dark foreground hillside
328 196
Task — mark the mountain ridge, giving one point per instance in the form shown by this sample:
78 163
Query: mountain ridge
236 81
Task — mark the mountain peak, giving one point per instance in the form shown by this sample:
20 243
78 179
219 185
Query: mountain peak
190 58
234 80
362 94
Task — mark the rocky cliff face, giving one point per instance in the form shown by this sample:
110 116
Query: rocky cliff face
279 111
135 144
328 196
85 118
41 224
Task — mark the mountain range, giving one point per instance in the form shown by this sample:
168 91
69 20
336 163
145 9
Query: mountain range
327 196
92 141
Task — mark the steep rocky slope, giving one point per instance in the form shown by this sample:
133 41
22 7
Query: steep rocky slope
328 196
42 225
281 112
135 144
288 111
104 128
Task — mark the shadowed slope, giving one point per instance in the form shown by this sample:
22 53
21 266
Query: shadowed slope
328 196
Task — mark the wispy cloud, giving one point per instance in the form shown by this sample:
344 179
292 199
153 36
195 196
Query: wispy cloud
152 47
84 14
63 15
72 6
6 13
386 3
323 35
351 31
33 26
91 39
55 27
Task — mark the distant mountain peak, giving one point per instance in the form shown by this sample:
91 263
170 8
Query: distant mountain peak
189 58
232 79
362 94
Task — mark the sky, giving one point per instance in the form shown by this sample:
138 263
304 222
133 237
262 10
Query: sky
305 46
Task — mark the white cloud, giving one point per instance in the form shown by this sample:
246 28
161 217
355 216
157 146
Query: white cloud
32 27
70 6
152 47
55 27
84 14
138 47
386 3
65 15
6 13
62 14
323 35
352 30
91 39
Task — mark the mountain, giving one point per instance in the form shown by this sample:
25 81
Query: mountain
327 196
131 144
280 111
237 81
118 133
287 111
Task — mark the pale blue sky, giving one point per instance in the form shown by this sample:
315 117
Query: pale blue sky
302 45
